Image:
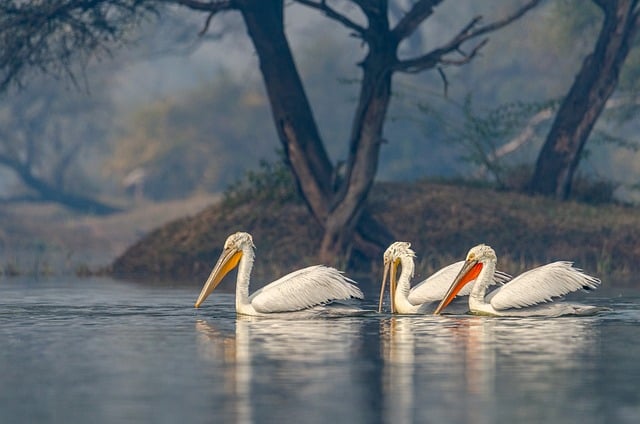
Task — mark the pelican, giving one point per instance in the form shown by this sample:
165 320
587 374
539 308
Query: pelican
523 295
421 298
302 290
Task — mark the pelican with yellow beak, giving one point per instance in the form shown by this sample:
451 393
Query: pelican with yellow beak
524 296
302 290
423 297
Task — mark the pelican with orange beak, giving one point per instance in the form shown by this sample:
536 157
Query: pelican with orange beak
525 295
423 297
302 290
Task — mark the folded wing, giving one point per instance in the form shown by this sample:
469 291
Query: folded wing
305 288
541 285
435 287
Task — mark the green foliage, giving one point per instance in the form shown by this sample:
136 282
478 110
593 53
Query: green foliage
606 138
482 135
272 182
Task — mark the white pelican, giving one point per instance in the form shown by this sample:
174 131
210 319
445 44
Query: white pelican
522 295
304 289
421 298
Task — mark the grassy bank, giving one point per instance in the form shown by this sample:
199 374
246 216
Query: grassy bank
441 220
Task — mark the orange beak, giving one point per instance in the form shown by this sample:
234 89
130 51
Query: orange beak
469 272
228 260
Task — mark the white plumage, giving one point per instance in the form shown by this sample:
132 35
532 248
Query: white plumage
422 297
526 294
434 287
541 284
300 290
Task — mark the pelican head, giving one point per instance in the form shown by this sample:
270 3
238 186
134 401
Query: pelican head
481 253
229 259
392 258
477 256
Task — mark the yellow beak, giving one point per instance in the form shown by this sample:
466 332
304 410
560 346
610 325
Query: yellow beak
228 260
389 270
384 283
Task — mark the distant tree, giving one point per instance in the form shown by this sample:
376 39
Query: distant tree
208 140
593 86
48 34
489 137
43 133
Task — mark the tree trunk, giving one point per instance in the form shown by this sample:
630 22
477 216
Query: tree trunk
366 139
594 84
290 107
342 214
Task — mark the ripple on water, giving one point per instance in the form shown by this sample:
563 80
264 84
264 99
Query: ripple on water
110 352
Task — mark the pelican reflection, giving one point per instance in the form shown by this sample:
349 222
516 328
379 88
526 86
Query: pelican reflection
413 350
301 361
452 369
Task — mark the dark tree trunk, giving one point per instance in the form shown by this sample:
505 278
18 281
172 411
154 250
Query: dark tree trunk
341 210
340 214
594 84
289 104
366 139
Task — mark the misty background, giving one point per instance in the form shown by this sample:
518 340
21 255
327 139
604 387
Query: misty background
176 113
172 114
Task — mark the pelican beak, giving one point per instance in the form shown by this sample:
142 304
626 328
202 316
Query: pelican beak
393 284
389 270
228 260
384 283
469 272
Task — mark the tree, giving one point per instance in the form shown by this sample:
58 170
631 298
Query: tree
593 86
336 199
42 134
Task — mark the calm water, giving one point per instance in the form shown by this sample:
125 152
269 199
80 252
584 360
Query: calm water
101 351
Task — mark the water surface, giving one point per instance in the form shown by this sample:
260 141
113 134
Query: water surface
103 351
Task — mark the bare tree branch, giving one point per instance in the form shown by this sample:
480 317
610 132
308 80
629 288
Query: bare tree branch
51 36
212 7
413 18
466 57
204 30
524 136
437 56
445 81
333 14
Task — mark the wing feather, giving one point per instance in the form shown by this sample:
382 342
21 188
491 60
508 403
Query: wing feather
541 285
302 289
435 287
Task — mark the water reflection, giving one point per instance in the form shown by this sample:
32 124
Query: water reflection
233 350
454 369
304 360
104 352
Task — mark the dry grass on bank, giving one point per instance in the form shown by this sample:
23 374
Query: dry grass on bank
441 220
